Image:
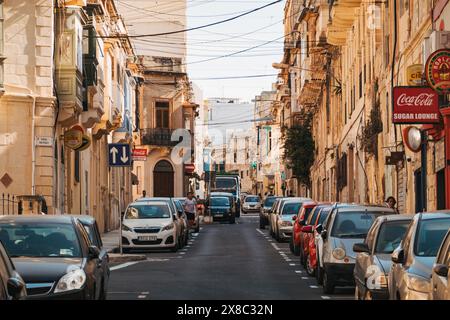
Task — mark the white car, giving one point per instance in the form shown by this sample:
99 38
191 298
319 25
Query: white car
150 225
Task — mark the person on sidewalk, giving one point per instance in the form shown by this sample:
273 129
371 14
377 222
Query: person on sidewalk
190 207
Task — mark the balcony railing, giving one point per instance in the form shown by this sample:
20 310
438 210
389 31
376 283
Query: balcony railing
158 137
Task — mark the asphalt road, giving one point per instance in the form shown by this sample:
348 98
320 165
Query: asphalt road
222 262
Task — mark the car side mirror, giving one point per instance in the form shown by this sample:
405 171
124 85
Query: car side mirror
307 229
441 270
319 228
361 248
15 288
398 256
94 252
324 234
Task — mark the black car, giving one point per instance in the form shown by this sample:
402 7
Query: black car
55 257
220 208
90 225
12 286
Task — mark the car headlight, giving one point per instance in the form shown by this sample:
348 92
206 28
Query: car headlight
126 228
339 253
168 227
419 284
286 224
73 280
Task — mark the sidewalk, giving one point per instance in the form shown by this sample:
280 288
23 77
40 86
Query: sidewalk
111 244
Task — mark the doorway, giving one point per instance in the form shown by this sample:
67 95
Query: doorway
163 179
441 190
418 190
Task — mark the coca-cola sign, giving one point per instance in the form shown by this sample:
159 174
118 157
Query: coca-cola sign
415 105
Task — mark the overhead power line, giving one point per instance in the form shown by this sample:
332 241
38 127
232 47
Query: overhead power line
237 77
195 28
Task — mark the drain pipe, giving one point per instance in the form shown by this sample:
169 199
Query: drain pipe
33 146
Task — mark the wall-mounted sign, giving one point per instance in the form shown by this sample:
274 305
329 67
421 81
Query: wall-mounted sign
43 141
189 168
119 155
414 75
415 105
73 139
437 71
139 154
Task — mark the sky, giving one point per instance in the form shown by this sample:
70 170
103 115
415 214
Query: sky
231 37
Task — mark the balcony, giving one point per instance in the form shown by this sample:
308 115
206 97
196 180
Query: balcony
161 137
342 19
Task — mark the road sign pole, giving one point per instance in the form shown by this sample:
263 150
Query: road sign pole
120 220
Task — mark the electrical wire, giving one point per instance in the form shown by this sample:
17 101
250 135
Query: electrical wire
198 27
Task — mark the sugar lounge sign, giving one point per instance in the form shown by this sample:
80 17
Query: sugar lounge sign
415 105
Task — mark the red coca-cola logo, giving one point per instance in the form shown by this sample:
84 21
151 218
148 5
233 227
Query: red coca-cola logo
420 100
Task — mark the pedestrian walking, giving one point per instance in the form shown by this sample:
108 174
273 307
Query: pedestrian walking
144 194
190 208
291 194
391 203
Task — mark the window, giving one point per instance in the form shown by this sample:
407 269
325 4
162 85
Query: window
77 166
162 114
1 44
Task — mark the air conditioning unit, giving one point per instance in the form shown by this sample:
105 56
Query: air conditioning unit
436 41
280 82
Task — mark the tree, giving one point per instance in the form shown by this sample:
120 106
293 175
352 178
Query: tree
299 149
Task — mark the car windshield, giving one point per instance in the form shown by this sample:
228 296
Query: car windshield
149 211
290 209
252 199
390 235
353 224
227 183
268 203
220 202
30 239
430 235
313 217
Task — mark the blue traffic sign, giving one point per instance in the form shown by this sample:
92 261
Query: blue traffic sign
119 155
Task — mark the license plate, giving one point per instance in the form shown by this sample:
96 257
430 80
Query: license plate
218 215
147 238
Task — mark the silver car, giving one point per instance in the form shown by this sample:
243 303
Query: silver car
284 220
344 228
373 258
410 276
440 278
276 211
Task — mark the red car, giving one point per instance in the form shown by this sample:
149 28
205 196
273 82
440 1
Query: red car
296 239
317 218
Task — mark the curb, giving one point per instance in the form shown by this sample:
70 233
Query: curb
117 258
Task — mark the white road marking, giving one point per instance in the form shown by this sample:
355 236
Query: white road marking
124 265
182 252
146 293
142 296
260 231
292 264
314 287
305 278
298 271
275 246
326 298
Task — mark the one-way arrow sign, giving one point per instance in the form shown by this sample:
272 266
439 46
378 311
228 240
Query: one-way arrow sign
119 155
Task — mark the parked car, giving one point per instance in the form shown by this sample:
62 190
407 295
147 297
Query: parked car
196 225
90 225
12 286
410 275
297 240
284 220
183 217
177 219
54 256
315 239
276 210
344 228
251 204
265 211
440 278
150 225
373 256
221 208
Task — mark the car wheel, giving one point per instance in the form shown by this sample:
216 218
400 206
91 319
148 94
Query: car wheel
103 293
328 285
277 236
309 269
296 250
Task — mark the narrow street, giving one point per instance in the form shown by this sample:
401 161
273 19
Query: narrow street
222 262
